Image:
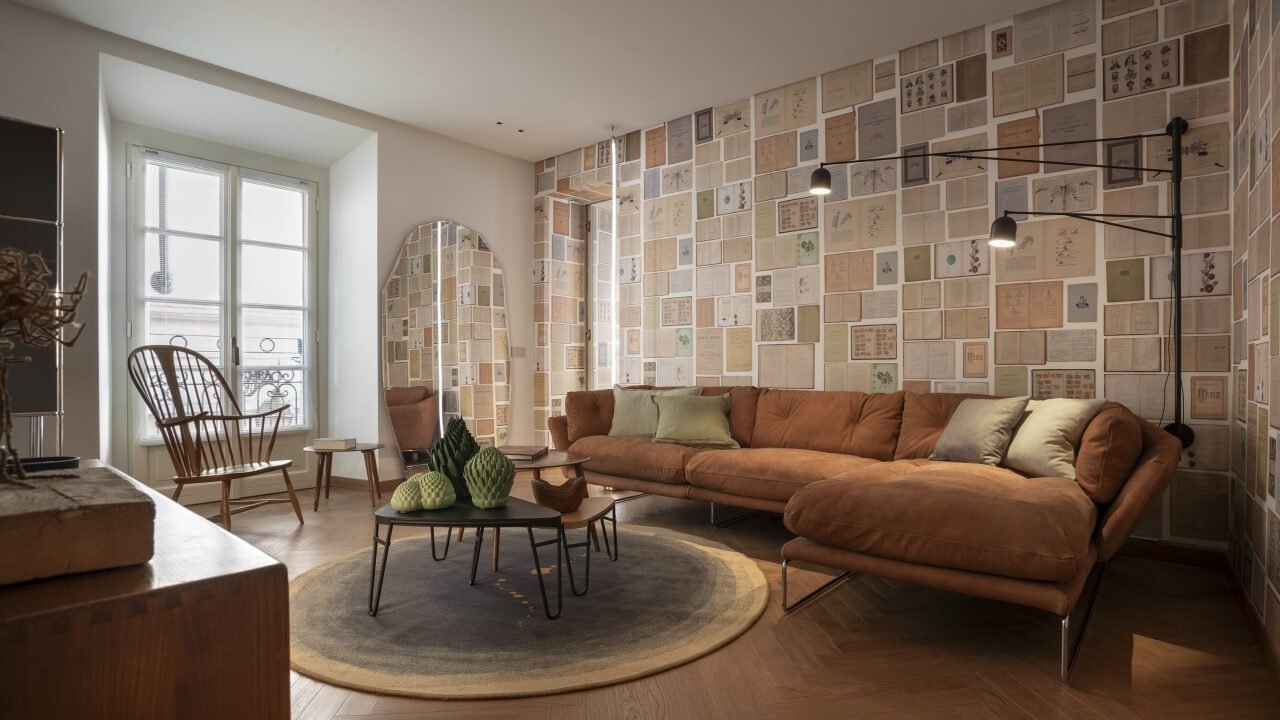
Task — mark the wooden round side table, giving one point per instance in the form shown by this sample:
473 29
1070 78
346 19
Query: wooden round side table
550 460
324 470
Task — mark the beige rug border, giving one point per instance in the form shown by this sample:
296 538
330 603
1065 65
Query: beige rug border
749 578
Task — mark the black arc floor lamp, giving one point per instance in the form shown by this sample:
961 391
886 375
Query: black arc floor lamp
1004 230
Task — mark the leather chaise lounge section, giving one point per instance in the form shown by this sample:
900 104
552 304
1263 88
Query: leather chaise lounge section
851 474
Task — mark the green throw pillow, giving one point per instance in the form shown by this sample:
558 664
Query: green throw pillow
979 430
635 414
694 421
1045 444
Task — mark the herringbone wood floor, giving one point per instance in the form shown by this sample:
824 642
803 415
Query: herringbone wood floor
1166 641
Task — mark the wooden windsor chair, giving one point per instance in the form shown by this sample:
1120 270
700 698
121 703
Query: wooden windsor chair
208 438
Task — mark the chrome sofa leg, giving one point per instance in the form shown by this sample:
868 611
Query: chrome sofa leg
1070 648
829 585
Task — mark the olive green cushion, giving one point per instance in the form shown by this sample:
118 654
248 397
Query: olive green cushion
979 430
1046 441
694 421
635 414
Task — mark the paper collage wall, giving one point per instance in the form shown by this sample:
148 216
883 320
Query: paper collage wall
459 346
729 272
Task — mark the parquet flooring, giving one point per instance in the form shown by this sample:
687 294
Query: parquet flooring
1166 641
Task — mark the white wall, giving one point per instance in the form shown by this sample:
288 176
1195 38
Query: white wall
49 74
354 403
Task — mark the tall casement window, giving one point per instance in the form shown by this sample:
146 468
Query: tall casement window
222 262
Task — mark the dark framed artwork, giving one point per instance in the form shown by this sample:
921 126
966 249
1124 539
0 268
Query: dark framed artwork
1122 157
1001 42
915 170
702 127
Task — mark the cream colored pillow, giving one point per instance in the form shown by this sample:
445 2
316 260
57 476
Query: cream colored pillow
1045 444
634 412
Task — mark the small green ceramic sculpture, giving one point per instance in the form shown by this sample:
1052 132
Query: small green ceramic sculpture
489 476
451 452
407 497
437 491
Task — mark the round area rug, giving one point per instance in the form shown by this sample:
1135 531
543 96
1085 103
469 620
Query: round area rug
668 599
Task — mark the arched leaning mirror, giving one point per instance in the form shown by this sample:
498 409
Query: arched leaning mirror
445 350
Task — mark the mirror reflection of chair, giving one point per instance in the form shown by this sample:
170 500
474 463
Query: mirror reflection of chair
208 438
415 418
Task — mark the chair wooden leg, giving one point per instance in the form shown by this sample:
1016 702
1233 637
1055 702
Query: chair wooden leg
322 459
293 497
460 531
177 490
595 539
226 505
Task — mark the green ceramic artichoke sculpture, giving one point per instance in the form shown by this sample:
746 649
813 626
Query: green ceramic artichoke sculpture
437 491
489 476
407 497
450 455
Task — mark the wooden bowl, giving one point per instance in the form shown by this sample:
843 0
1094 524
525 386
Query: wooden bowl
564 498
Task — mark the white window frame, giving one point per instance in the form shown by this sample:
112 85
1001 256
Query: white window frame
230 304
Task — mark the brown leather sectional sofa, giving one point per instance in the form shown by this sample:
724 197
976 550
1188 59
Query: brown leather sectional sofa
850 471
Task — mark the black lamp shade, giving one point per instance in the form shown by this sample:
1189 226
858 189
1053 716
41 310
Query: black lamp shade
1004 232
820 182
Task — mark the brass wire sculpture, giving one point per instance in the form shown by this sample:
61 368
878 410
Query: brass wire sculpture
36 313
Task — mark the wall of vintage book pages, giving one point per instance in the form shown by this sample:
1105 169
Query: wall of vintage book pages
729 272
444 313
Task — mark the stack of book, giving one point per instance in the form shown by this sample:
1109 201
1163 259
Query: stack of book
334 443
524 453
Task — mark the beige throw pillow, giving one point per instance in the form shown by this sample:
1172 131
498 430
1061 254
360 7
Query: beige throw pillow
1045 444
694 421
634 412
979 430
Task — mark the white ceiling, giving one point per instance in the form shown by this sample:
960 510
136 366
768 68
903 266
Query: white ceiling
144 95
564 71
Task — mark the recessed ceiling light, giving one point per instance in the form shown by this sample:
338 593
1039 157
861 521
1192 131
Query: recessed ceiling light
520 130
499 122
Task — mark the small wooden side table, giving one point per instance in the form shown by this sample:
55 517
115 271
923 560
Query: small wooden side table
551 460
324 470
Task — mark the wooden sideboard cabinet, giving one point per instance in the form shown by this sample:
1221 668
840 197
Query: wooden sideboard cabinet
200 631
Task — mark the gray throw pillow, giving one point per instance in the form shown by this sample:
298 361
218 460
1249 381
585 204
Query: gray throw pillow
979 430
634 412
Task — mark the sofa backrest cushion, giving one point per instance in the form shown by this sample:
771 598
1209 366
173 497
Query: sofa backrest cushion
588 412
1109 450
852 423
924 417
742 410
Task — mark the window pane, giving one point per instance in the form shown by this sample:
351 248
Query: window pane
272 276
269 213
272 337
182 199
263 389
183 268
198 327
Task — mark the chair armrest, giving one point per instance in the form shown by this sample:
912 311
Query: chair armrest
558 425
1148 480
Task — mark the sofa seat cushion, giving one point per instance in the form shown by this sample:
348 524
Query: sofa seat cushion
766 473
635 457
954 515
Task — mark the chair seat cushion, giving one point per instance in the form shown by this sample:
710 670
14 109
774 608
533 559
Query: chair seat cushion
635 457
954 515
766 473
